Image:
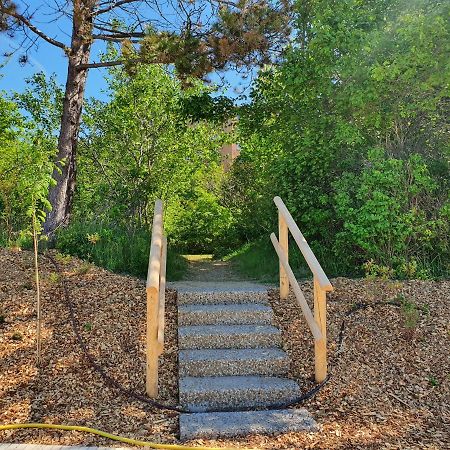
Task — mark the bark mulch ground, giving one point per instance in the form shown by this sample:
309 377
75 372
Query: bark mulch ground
390 385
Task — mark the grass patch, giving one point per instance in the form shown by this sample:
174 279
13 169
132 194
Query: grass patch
177 266
115 248
259 261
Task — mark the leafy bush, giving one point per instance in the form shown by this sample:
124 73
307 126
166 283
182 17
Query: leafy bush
200 224
387 216
351 132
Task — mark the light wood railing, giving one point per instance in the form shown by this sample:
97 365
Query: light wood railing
156 287
322 285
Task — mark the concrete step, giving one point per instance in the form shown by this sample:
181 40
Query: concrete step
223 393
235 314
213 293
226 362
229 424
228 336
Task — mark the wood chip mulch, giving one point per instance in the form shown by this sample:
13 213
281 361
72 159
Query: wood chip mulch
390 385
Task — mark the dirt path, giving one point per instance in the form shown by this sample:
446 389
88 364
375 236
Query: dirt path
204 268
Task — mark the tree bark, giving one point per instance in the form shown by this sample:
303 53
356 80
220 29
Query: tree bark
61 195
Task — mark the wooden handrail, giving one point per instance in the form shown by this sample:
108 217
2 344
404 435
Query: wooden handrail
155 287
303 245
162 295
315 330
322 284
154 262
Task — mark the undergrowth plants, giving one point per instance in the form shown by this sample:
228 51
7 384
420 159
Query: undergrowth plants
350 130
115 248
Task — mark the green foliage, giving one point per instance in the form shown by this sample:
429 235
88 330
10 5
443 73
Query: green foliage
26 148
433 381
114 248
383 218
350 131
84 268
177 265
411 314
204 106
53 278
258 261
17 336
199 224
141 146
62 258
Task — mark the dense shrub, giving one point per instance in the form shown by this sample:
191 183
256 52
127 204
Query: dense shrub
387 216
351 131
200 224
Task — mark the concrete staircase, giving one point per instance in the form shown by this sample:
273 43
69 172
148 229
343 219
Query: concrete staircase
231 359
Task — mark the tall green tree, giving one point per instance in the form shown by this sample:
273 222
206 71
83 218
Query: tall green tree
141 145
362 78
195 37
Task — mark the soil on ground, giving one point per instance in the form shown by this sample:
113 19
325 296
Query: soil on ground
205 268
390 384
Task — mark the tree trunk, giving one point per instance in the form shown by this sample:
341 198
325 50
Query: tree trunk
61 195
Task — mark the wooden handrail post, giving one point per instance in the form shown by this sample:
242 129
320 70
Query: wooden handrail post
315 330
283 238
162 296
320 346
153 288
153 349
322 285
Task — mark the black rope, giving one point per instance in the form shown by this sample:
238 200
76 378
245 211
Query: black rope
134 395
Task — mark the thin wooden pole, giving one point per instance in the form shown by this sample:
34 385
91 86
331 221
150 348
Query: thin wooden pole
162 296
38 294
153 287
308 254
283 233
320 345
153 349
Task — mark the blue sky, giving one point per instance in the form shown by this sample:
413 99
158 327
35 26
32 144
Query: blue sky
45 57
49 59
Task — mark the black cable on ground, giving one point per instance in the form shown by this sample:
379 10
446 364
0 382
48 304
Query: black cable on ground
134 395
82 344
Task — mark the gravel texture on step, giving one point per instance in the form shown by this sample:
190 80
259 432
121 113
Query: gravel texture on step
235 314
229 424
227 362
228 336
225 393
220 292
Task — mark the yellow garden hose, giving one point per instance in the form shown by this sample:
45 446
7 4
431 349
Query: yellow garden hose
15 426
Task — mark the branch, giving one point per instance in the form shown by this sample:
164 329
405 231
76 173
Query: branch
111 7
24 21
118 33
98 65
113 38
